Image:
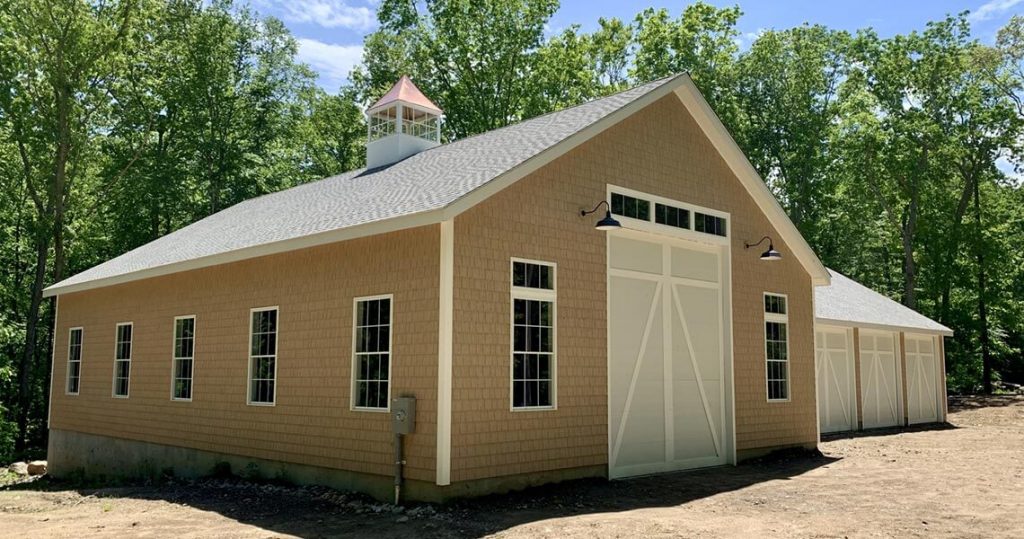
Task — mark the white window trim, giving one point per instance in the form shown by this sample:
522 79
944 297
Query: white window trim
353 386
113 385
519 292
668 230
277 358
81 352
783 319
174 358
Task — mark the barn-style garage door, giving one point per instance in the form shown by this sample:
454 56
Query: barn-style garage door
879 379
666 368
922 379
837 405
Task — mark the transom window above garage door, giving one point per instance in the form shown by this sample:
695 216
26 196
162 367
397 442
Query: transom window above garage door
654 213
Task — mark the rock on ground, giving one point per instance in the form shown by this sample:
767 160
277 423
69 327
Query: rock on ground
37 467
20 468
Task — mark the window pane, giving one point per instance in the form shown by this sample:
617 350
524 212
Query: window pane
709 224
628 206
671 216
371 346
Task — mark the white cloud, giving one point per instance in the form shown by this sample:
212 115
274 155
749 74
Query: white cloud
326 13
991 9
332 62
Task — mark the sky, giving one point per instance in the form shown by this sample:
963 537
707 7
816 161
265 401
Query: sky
330 32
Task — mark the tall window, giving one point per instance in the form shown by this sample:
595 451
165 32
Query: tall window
74 360
122 359
262 355
776 331
533 335
184 354
372 353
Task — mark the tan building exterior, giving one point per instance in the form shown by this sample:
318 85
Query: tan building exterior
449 277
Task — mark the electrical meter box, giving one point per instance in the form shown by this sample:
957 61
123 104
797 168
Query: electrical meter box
403 415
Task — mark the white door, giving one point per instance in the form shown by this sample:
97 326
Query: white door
666 370
879 379
837 385
922 379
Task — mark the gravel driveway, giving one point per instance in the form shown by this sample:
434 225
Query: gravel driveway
961 480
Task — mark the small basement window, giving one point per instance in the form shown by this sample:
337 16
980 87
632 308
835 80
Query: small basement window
372 353
183 358
74 374
628 206
533 335
262 355
122 359
776 328
709 224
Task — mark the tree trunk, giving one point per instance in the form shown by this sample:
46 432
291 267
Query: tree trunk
31 333
909 265
954 246
986 359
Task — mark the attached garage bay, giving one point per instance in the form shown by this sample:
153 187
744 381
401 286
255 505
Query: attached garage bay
880 364
837 379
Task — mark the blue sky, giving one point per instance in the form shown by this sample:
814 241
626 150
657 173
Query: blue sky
330 32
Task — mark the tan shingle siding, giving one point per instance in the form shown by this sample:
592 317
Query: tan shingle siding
311 422
662 151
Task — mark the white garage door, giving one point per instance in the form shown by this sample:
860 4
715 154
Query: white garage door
837 385
666 369
922 379
879 379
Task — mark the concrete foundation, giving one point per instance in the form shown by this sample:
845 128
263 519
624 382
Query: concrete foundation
72 453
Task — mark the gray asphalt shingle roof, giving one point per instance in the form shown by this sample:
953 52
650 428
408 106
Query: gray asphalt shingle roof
846 300
429 180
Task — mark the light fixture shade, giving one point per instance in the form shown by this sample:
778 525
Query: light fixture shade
771 253
608 223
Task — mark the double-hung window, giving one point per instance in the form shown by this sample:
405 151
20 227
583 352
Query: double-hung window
776 335
533 334
371 353
262 355
74 380
183 358
122 359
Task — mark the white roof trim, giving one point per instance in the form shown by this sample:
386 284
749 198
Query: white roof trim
881 327
684 89
751 180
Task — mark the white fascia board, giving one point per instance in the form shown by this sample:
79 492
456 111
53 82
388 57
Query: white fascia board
751 180
881 327
332 236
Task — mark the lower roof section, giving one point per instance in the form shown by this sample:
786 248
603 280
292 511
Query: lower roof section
846 302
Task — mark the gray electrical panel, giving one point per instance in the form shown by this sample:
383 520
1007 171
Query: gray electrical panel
403 415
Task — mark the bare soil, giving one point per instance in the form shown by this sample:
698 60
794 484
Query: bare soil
964 479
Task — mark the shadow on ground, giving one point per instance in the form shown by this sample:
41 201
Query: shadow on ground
321 512
887 431
973 402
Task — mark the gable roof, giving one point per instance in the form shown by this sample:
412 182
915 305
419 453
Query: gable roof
405 90
426 188
846 302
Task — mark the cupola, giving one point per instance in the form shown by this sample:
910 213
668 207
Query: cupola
402 123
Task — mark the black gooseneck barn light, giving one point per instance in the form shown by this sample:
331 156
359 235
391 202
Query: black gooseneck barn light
609 222
770 254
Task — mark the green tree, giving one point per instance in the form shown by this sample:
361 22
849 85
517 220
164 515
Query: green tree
58 59
701 42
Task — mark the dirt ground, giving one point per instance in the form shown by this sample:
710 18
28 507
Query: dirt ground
965 479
